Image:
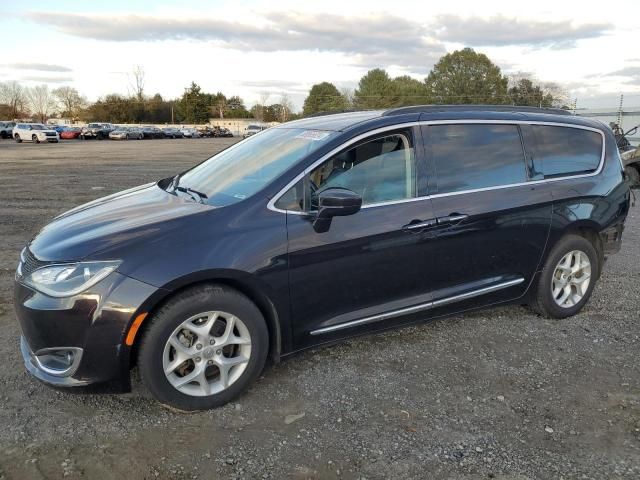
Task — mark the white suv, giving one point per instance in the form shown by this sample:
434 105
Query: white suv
34 132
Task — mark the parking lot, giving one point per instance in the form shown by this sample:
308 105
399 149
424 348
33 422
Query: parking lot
499 393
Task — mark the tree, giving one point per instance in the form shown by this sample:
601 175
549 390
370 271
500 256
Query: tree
524 92
14 96
219 102
193 107
70 101
236 108
286 108
324 97
137 82
410 91
464 77
41 102
376 90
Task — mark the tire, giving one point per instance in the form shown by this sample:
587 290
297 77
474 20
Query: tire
155 352
633 175
34 139
543 300
126 137
18 139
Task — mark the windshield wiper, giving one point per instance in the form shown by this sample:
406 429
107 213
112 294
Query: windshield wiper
201 196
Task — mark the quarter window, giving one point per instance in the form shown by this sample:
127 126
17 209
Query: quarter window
566 150
380 170
474 156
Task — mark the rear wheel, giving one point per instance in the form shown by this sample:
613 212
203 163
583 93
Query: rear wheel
633 174
203 348
567 279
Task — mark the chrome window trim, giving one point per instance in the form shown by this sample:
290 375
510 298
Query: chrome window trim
272 202
420 307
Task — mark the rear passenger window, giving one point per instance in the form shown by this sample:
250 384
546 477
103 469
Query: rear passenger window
473 156
566 150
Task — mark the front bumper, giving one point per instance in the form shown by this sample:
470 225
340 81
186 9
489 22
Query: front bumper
93 323
35 368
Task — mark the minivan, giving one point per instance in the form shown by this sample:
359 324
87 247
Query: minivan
318 230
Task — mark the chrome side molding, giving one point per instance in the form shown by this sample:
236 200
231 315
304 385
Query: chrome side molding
420 307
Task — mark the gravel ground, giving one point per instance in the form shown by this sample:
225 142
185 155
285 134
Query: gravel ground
499 394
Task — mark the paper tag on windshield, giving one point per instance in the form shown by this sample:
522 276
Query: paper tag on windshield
313 135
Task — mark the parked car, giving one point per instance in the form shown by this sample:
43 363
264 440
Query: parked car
190 133
222 132
316 231
126 133
206 131
252 130
34 132
99 131
6 129
70 133
152 132
136 133
172 132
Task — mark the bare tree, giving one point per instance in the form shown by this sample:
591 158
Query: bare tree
41 102
13 95
259 107
286 107
70 101
561 97
137 82
349 96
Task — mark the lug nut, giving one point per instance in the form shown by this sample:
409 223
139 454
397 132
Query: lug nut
218 352
212 342
210 362
199 347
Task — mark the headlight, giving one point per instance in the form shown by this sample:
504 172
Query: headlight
69 279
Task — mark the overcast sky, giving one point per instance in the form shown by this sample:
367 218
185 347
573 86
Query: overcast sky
254 48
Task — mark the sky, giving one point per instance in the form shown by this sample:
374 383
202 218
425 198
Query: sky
256 49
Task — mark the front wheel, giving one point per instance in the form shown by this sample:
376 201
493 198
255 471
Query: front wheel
18 139
203 348
34 139
567 279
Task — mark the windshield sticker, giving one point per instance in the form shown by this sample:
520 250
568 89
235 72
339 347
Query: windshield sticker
313 135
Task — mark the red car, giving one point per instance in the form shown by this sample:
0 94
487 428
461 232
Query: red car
70 133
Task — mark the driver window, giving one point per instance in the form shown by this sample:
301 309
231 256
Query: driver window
380 170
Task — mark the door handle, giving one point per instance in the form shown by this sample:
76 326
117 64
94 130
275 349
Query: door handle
420 224
452 219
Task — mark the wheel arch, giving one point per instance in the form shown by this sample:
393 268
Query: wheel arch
589 230
244 283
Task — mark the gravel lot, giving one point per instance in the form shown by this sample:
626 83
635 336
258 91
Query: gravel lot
496 394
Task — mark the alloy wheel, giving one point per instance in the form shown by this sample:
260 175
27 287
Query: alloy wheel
206 353
571 279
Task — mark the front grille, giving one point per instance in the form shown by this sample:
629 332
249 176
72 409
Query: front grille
50 134
29 262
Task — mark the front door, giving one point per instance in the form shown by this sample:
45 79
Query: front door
366 266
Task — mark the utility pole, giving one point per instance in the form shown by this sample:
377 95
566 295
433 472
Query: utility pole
620 110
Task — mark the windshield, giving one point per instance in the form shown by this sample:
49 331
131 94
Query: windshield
240 171
38 127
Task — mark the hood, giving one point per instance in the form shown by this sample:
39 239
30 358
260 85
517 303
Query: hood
123 217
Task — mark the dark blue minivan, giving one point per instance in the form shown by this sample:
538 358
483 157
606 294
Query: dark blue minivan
317 230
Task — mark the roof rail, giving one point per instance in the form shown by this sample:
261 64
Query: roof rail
473 108
333 112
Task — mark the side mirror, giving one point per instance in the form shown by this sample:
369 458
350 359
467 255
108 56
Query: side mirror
335 202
